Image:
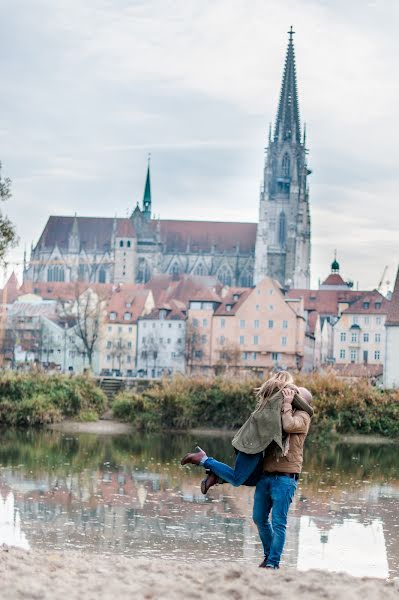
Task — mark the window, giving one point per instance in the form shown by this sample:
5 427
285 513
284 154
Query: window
254 355
195 305
169 325
204 322
257 307
56 273
378 305
366 320
342 353
161 340
179 340
121 244
365 337
236 297
353 356
378 338
130 329
195 322
128 243
285 324
242 324
355 320
222 323
224 275
108 357
271 307
109 344
144 325
354 337
270 324
173 355
275 356
241 340
377 355
284 341
204 339
256 324
285 165
129 358
343 337
198 354
102 276
366 304
245 355
109 327
112 316
378 320
127 316
143 271
256 340
200 270
169 340
228 307
162 314
129 345
119 329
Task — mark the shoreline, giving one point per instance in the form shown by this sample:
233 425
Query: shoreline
34 575
114 427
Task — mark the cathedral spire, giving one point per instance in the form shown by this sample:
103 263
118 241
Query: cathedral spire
287 122
147 192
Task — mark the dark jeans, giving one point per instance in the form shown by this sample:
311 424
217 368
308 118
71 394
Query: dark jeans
244 467
273 493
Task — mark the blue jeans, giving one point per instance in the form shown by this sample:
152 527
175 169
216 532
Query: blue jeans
273 493
244 467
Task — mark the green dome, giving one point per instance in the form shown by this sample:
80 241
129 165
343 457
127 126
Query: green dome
335 266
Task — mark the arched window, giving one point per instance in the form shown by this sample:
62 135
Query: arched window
286 165
102 275
128 244
55 273
224 275
121 243
143 274
282 229
175 270
200 270
246 279
82 272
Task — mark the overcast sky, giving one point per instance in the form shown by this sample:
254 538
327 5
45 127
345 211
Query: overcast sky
89 87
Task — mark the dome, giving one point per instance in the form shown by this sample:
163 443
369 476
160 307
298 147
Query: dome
335 266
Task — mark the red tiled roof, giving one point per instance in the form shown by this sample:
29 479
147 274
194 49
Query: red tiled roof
183 289
242 294
370 298
121 298
334 279
92 231
63 291
393 309
11 289
203 235
325 302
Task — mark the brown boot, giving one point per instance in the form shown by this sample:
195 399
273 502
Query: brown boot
210 480
193 458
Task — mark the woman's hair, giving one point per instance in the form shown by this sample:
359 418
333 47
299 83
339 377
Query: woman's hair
276 383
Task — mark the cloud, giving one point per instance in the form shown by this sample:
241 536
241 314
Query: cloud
88 89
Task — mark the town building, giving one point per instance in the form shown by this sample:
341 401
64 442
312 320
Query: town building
101 250
391 362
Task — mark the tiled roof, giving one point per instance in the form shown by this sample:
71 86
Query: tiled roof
334 279
183 289
10 290
129 299
93 231
325 302
367 304
204 235
64 291
393 310
229 300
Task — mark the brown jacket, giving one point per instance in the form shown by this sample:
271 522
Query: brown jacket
296 423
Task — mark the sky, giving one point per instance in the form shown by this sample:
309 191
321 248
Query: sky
90 87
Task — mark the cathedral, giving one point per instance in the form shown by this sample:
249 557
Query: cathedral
127 250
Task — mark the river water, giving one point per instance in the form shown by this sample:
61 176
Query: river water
128 495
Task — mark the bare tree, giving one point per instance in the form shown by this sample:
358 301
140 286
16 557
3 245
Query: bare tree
8 236
85 313
194 347
229 358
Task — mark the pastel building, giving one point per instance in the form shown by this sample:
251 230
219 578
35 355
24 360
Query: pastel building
391 359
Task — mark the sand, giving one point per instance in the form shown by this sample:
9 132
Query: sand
72 575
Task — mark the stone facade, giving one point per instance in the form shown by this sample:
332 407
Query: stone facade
129 250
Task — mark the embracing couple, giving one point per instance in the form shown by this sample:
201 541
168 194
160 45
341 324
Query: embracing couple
269 455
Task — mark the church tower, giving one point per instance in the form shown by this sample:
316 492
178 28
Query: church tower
283 234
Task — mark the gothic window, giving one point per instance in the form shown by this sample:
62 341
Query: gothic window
224 276
286 166
282 229
246 279
82 272
143 274
175 270
200 270
55 273
102 275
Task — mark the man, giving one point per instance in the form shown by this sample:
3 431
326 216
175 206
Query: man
278 483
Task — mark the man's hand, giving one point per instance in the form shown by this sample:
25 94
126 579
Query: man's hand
288 395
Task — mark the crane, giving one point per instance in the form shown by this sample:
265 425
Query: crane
381 283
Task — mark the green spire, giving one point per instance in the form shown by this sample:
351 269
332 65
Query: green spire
147 192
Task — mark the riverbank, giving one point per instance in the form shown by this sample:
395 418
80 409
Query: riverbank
101 427
73 575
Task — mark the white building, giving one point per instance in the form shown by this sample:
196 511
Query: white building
391 364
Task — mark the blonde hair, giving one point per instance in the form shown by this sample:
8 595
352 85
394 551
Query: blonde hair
274 384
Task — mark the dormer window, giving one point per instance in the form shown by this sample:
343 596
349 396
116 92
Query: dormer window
128 304
366 304
378 305
228 307
127 316
236 297
112 316
162 314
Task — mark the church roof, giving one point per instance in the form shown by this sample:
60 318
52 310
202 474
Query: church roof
93 231
393 310
202 236
334 279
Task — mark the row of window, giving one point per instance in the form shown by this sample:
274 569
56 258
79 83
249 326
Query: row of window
110 328
256 324
168 340
119 344
255 340
128 358
353 354
122 243
355 337
356 320
55 273
153 325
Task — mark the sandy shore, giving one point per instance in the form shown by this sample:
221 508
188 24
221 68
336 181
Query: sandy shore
40 576
102 427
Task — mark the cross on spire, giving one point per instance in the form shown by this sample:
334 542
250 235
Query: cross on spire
291 33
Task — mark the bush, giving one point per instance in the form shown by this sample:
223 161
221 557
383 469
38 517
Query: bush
187 402
36 398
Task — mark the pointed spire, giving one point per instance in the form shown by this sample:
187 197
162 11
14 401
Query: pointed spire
147 192
287 122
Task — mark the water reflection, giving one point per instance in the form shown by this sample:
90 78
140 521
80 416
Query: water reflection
128 494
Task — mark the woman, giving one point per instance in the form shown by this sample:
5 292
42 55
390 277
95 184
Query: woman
262 428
